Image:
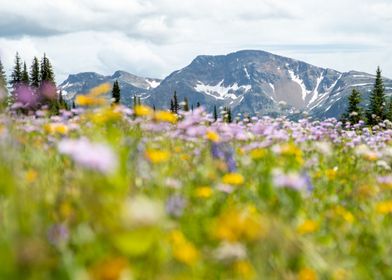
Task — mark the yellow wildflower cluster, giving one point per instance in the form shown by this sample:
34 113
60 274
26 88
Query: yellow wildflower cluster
292 150
183 250
165 116
234 224
212 136
233 179
307 274
308 226
31 176
56 128
105 115
244 269
93 98
344 214
258 153
143 111
384 207
110 269
203 192
157 156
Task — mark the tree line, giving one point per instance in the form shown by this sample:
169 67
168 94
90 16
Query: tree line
34 87
378 109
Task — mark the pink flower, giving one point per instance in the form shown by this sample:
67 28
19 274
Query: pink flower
93 156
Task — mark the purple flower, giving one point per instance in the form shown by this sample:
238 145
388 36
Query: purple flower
175 205
290 180
93 156
58 234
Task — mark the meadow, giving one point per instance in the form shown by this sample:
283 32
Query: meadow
109 192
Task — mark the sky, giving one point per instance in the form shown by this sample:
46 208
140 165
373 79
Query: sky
153 38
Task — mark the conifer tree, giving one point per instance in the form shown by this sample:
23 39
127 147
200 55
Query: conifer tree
376 112
229 118
139 101
153 107
47 74
197 104
215 114
16 76
134 101
35 75
389 109
25 75
116 92
192 108
172 106
354 111
176 107
186 105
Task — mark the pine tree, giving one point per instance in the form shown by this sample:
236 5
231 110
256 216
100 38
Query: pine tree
215 114
35 75
153 107
139 101
176 107
172 106
229 118
116 92
47 74
16 76
186 105
376 109
62 103
25 75
354 112
197 104
192 108
134 101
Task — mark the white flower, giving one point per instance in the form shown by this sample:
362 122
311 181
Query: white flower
142 211
230 251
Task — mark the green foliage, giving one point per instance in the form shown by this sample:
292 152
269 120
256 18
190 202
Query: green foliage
116 92
377 108
25 75
215 114
35 74
354 112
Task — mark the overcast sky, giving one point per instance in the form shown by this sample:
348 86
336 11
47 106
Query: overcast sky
155 37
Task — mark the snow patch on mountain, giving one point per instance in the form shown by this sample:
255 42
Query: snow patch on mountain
221 92
299 81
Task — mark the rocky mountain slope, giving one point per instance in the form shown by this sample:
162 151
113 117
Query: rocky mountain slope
252 82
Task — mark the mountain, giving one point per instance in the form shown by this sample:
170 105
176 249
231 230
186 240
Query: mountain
252 82
130 85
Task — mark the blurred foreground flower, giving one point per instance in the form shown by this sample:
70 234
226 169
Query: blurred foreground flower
183 250
165 116
157 156
94 156
233 179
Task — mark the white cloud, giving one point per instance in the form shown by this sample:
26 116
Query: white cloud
155 37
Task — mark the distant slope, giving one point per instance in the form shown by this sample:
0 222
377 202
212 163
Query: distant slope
130 84
249 81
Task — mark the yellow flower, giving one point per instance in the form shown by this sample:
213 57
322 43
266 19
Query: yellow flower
142 111
212 136
307 274
308 226
86 100
165 116
244 269
234 224
233 179
31 176
345 214
110 269
203 192
384 207
105 115
183 250
157 156
331 173
340 274
292 150
54 128
99 90
258 153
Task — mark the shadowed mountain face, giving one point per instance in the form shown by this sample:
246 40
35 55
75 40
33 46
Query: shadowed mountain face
130 85
253 82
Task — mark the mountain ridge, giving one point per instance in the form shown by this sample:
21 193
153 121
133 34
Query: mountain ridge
249 81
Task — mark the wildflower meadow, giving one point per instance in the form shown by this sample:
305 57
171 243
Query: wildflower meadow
108 192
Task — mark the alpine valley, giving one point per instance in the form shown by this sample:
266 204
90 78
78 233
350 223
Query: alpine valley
250 82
